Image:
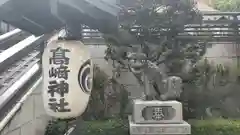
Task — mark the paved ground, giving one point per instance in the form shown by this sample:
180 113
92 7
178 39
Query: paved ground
204 7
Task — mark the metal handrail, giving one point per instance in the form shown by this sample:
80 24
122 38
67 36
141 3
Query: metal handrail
9 35
18 50
10 38
24 52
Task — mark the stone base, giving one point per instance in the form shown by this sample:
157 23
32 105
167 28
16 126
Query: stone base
159 129
143 112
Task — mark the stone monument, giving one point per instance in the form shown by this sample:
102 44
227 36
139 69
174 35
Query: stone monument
160 117
157 118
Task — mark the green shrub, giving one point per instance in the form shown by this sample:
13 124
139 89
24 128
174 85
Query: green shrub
120 127
215 127
199 127
227 5
107 127
56 127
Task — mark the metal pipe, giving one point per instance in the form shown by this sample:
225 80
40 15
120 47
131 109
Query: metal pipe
207 37
218 13
10 35
228 30
17 51
207 26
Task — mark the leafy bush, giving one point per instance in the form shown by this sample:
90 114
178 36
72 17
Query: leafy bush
107 127
227 5
106 94
95 107
210 92
56 127
215 127
120 127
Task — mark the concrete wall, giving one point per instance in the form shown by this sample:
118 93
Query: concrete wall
31 118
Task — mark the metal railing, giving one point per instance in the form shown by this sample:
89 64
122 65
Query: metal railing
19 66
11 38
214 27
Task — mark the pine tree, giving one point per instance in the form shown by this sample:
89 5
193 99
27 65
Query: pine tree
155 26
